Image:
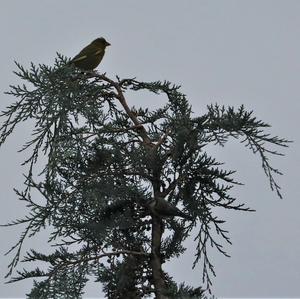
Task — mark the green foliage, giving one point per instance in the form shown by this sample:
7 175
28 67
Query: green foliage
184 292
105 162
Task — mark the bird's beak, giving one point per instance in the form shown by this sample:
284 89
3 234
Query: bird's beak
107 44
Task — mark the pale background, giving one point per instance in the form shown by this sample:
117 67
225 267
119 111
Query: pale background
230 52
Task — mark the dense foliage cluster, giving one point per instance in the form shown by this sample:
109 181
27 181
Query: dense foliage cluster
105 162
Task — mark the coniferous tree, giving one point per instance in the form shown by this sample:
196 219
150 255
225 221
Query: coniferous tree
105 163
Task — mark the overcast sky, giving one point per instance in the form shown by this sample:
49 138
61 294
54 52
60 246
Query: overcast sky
229 52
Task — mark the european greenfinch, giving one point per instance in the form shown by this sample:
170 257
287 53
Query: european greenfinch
164 209
90 56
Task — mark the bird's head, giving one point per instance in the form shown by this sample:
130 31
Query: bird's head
151 204
100 42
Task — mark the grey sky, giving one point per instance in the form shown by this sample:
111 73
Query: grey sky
230 52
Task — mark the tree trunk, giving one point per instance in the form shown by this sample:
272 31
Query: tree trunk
158 277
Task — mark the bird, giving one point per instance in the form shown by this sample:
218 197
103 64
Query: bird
90 56
162 208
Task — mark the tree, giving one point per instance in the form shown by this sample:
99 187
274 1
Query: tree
116 179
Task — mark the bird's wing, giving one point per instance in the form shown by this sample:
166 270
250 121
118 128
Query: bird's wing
79 58
84 53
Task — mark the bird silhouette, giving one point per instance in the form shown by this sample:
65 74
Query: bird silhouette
162 208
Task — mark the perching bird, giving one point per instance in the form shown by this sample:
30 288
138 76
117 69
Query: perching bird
90 56
162 208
